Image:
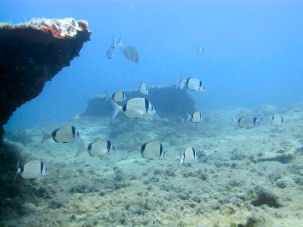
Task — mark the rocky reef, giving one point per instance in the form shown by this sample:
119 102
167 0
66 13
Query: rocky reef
33 53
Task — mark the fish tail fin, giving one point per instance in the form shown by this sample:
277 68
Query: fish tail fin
108 97
80 146
17 172
114 41
119 42
181 160
45 135
135 146
180 83
136 142
233 122
117 109
258 122
163 155
188 116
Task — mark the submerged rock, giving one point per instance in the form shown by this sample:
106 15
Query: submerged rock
253 220
283 158
160 96
33 53
285 182
264 197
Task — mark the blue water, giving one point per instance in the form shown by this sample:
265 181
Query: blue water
253 52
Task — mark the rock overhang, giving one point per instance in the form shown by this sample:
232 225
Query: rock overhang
33 53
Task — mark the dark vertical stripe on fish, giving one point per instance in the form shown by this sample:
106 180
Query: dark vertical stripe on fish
146 104
22 169
194 152
73 131
41 167
124 107
89 147
161 149
143 148
254 120
187 81
54 135
108 145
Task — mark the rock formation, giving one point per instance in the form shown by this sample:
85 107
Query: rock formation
33 53
160 96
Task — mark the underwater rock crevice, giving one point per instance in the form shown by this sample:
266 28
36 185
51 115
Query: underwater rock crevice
33 53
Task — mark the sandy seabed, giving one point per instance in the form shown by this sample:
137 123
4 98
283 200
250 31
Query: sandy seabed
243 177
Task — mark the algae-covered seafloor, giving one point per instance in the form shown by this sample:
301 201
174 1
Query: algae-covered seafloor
243 177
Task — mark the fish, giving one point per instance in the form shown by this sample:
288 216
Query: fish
193 84
100 148
248 121
277 119
32 170
130 53
65 134
143 89
200 50
195 117
118 96
188 155
135 108
110 50
153 150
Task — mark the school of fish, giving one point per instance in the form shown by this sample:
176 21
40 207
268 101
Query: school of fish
134 108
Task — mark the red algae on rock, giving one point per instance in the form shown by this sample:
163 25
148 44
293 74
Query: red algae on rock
31 54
